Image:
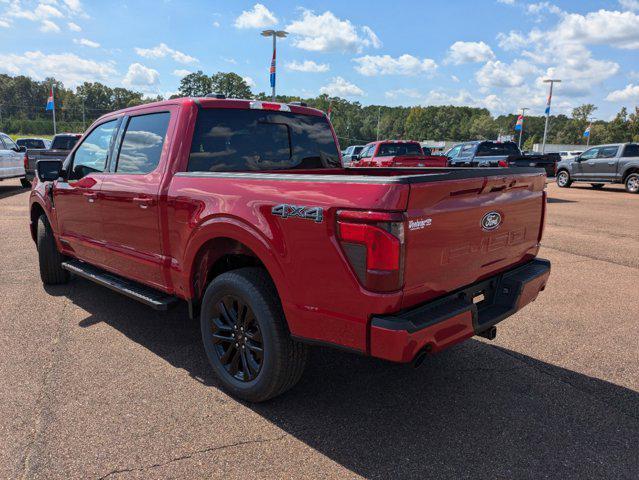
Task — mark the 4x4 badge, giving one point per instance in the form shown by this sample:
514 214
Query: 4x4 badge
285 210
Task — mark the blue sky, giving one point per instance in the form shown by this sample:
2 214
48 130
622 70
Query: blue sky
490 53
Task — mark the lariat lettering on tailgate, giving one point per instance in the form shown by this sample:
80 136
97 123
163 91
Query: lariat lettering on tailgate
487 244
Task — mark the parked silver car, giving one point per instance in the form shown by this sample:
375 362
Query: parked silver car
12 159
614 163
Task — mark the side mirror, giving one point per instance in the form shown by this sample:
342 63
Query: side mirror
48 170
20 149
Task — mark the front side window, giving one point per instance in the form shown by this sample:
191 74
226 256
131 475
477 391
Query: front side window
357 150
467 150
142 143
454 151
607 152
631 150
91 155
233 140
589 154
9 144
367 151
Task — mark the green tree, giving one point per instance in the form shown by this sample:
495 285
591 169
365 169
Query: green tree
195 84
230 85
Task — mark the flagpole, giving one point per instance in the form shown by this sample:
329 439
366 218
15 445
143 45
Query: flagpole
552 82
521 130
55 132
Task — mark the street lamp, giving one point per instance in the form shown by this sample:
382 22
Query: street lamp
552 82
274 34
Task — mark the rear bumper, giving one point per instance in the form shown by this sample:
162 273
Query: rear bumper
454 318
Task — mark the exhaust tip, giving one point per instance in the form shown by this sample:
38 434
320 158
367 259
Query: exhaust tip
420 357
490 334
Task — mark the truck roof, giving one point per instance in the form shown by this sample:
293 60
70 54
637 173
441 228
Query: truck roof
211 102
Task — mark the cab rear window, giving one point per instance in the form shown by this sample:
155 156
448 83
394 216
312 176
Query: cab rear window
232 140
488 149
398 149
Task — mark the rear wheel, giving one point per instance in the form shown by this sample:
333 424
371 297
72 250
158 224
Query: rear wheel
597 186
563 179
50 259
25 183
246 338
632 183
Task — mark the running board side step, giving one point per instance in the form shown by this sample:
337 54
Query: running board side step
147 295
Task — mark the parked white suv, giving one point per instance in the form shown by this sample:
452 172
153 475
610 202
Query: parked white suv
11 158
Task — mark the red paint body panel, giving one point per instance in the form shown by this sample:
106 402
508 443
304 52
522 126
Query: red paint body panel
189 219
413 161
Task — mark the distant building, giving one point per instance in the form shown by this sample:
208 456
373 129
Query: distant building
559 147
438 146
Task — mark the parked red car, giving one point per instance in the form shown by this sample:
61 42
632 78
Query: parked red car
397 153
242 209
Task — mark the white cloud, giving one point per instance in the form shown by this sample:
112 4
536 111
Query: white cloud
338 87
632 5
403 92
467 52
538 9
69 68
140 76
162 50
74 27
499 74
180 72
308 66
74 5
258 17
86 42
216 24
4 23
619 29
628 94
506 2
47 26
512 40
373 65
249 81
230 60
454 78
326 32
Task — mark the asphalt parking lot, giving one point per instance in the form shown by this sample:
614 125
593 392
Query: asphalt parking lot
95 385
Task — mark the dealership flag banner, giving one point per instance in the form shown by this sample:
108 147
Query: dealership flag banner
548 103
587 131
273 70
51 106
520 121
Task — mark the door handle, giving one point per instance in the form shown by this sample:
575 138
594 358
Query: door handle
91 197
143 202
611 163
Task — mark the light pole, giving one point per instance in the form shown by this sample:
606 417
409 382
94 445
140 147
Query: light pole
552 82
521 125
274 34
379 116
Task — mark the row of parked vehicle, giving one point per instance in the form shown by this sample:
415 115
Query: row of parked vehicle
598 165
18 159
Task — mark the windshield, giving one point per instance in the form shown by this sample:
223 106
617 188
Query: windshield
230 140
65 142
489 149
398 149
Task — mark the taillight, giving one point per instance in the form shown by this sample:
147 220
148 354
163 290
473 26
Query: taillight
373 242
25 161
502 163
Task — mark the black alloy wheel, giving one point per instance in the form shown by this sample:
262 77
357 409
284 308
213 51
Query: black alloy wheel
237 338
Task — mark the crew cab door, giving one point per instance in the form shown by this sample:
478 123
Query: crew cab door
604 166
11 162
579 171
77 198
130 198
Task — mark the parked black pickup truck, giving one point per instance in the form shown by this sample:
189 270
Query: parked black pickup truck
499 154
61 145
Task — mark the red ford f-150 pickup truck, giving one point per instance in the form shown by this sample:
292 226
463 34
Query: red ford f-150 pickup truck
242 209
397 153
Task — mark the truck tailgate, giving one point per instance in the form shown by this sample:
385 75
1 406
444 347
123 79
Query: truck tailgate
462 231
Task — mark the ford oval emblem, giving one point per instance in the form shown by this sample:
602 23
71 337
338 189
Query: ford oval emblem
491 221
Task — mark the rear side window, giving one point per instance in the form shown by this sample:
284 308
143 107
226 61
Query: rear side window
232 140
608 152
142 143
66 142
631 150
488 149
397 149
367 151
31 143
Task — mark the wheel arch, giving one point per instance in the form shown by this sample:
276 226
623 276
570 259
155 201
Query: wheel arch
630 170
35 212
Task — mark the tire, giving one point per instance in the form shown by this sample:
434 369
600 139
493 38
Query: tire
50 259
597 186
281 361
25 183
563 179
632 183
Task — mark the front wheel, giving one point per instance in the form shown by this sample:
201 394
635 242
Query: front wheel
246 337
50 259
597 186
563 179
632 183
